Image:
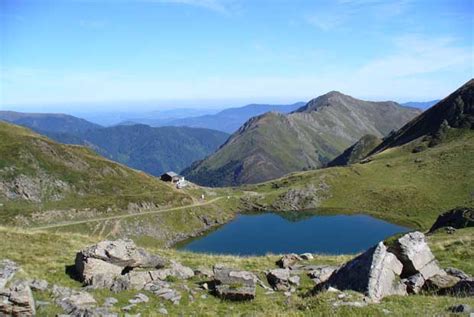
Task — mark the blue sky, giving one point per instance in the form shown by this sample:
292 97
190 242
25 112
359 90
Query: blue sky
216 52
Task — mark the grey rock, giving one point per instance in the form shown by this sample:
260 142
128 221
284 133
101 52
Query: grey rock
306 256
456 272
8 269
76 302
234 284
17 300
463 288
414 283
321 273
138 279
287 260
438 282
416 256
139 298
374 273
163 311
38 285
176 270
110 301
163 290
461 308
203 271
128 307
281 280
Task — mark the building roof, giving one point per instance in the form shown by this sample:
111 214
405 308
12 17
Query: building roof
171 174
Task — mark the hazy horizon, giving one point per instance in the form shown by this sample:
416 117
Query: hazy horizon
161 54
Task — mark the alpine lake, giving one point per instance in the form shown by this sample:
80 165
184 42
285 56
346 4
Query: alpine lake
293 232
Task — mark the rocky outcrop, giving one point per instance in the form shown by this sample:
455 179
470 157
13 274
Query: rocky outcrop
457 218
17 300
234 284
321 273
376 273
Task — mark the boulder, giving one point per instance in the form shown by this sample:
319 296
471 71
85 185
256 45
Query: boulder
461 308
203 271
138 279
17 300
38 285
321 273
234 284
281 280
77 302
457 218
416 256
375 273
437 283
8 269
287 260
99 265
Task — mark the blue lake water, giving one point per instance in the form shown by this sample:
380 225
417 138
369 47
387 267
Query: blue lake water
259 234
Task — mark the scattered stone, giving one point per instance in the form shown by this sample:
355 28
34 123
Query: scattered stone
17 300
263 285
306 256
456 218
163 311
233 284
202 271
288 260
139 298
321 273
205 286
138 279
461 308
75 302
176 270
8 269
416 256
163 290
38 285
374 273
438 282
203 296
456 272
110 301
128 307
279 279
287 294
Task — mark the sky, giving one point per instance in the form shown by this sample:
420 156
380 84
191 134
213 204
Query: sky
210 53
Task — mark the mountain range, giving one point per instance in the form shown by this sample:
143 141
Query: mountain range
228 120
274 144
153 150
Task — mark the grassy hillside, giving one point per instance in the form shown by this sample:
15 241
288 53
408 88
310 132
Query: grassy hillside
357 151
274 144
399 184
46 255
38 175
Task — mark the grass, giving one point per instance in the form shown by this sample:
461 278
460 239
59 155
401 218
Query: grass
46 255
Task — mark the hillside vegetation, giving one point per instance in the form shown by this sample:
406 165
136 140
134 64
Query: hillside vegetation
274 144
38 175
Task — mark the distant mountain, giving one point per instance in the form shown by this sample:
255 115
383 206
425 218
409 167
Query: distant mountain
420 105
357 151
50 122
228 120
273 144
153 150
454 111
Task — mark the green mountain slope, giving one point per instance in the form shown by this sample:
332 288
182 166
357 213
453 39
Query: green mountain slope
399 182
153 150
38 174
357 151
274 144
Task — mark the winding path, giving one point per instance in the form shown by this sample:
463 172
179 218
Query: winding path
65 224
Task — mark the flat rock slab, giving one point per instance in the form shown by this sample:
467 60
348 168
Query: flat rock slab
234 284
8 269
17 300
288 260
